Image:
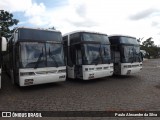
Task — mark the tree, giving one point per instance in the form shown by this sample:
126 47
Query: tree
140 39
148 42
6 21
52 28
151 49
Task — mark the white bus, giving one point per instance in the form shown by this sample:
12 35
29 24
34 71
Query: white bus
36 57
126 56
87 55
3 46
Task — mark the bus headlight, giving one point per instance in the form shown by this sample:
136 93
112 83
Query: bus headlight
26 73
62 71
111 66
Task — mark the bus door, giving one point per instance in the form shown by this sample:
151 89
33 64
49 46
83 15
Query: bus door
16 64
77 60
78 66
116 58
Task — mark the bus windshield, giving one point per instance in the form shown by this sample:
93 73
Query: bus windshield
131 54
38 55
96 54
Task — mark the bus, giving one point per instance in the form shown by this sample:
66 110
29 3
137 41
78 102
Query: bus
3 47
126 56
87 55
36 56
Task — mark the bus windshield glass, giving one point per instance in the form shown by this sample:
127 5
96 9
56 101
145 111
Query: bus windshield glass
31 53
103 39
96 54
128 40
92 55
105 53
38 55
55 55
130 54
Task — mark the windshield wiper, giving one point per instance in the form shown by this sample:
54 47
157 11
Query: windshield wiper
53 58
39 59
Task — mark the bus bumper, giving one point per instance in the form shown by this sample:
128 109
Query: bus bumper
97 74
41 79
127 69
93 74
32 76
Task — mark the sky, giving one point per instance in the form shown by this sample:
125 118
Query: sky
138 18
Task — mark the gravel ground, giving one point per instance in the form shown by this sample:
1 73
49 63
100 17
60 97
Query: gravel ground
138 92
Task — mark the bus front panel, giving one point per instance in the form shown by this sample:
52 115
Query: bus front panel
130 68
97 71
41 75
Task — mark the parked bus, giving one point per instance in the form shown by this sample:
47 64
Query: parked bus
126 56
3 47
36 57
87 55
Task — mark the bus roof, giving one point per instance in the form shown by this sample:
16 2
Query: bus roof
78 31
129 40
120 35
35 29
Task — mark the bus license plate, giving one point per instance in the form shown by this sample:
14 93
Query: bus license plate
91 76
28 82
128 72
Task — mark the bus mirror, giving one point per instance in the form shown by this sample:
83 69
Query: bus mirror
4 44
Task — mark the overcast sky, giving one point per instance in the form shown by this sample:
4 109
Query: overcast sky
139 18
